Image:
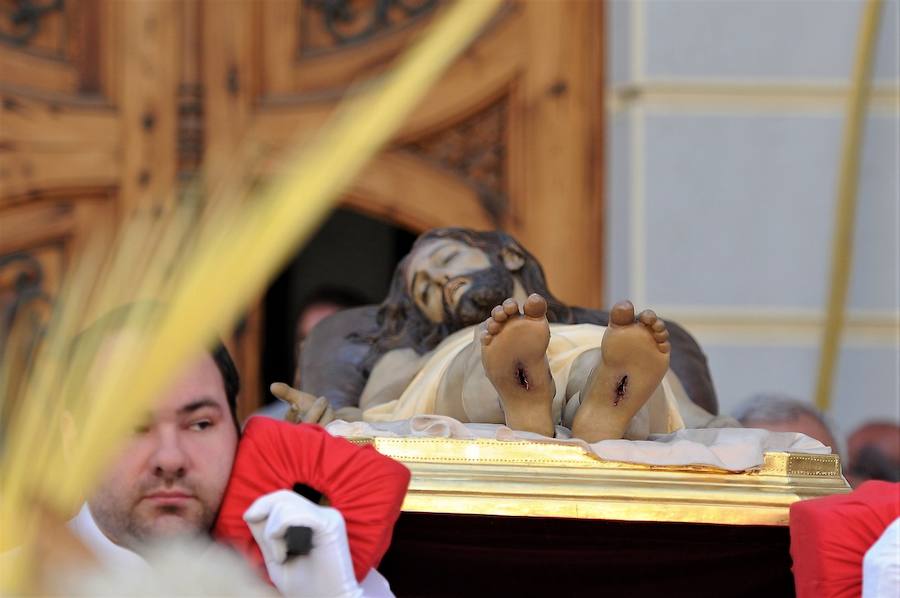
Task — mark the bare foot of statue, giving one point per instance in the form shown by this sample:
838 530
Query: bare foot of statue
634 359
514 355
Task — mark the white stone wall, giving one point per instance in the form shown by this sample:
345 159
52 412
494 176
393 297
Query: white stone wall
724 131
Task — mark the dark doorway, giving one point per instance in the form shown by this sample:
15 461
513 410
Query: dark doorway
350 253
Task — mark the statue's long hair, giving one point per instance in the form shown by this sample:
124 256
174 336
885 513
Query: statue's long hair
400 323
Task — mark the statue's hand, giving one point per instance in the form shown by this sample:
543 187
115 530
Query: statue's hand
304 407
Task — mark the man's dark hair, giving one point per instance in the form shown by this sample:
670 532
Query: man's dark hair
870 463
230 379
873 452
142 314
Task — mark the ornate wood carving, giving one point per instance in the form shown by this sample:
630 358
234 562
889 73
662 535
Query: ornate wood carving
474 149
25 307
28 280
21 287
330 24
21 20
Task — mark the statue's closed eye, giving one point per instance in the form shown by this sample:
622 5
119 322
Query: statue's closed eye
446 261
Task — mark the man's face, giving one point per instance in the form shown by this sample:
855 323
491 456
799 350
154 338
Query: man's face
449 279
172 474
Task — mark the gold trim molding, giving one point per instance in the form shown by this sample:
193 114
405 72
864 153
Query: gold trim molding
760 95
537 479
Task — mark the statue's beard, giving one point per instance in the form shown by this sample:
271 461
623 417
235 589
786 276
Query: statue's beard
487 289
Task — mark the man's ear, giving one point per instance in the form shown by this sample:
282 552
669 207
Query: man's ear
512 257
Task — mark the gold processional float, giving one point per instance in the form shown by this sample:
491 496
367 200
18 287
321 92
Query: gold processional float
531 479
242 246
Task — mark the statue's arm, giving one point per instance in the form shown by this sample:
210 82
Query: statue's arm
331 363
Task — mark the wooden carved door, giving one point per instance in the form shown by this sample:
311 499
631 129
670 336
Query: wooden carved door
107 105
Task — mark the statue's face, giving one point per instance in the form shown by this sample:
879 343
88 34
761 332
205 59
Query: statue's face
440 273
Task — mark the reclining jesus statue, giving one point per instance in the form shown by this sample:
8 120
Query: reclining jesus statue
469 330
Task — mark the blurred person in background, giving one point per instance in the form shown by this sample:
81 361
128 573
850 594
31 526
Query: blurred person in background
873 453
782 413
317 306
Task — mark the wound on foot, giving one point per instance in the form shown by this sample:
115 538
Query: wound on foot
620 390
522 376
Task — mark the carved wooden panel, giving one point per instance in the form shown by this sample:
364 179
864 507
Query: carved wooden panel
50 45
40 240
475 150
39 25
58 143
324 45
327 25
29 282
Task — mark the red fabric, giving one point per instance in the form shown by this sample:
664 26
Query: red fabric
365 486
830 537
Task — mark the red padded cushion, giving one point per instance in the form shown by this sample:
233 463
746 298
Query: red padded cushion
830 537
365 486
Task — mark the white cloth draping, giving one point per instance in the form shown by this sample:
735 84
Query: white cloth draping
732 449
667 410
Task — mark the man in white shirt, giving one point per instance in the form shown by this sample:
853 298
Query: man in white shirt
170 478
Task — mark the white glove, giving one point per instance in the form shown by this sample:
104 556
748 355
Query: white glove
327 571
881 565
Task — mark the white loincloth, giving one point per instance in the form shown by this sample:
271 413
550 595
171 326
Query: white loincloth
660 415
